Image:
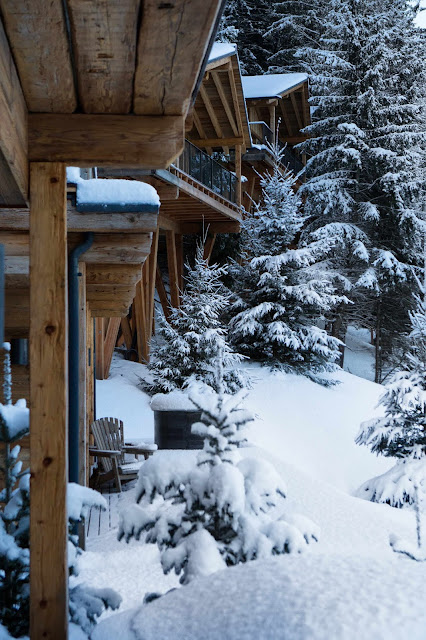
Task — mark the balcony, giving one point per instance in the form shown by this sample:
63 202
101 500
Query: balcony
207 171
262 134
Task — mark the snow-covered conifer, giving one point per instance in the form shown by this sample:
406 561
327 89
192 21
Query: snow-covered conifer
220 511
365 149
85 603
244 23
281 292
191 340
401 433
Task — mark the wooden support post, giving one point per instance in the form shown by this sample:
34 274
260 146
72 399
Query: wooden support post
127 333
140 321
82 363
238 174
179 261
272 121
99 347
152 261
49 410
109 343
208 246
173 269
162 293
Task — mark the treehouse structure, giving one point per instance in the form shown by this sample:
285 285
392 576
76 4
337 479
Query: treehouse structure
85 84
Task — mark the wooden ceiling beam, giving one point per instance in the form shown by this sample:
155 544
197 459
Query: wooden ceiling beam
173 40
19 220
219 142
38 37
150 142
104 35
212 114
113 274
14 131
200 129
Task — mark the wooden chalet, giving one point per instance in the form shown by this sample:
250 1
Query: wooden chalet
277 105
88 83
199 195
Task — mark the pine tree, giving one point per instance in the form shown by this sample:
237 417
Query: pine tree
195 334
281 293
401 433
366 148
293 25
244 23
220 512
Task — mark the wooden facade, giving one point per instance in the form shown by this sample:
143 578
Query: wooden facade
82 83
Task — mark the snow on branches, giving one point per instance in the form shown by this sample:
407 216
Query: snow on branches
281 293
194 335
221 511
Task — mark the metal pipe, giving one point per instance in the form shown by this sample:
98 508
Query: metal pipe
73 356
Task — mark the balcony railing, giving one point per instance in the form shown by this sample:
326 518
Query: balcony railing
209 172
262 134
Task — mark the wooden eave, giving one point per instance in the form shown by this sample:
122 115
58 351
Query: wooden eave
219 116
89 82
292 108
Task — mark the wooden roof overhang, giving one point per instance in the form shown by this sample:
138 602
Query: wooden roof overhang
291 108
219 115
89 82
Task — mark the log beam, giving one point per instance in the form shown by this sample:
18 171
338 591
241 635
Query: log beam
173 268
49 411
82 140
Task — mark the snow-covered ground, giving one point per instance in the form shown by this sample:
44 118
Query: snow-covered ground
348 585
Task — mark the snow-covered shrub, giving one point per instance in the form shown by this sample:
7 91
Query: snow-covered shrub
85 603
281 293
194 335
222 511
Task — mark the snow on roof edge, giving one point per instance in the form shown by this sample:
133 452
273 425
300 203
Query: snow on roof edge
272 85
222 50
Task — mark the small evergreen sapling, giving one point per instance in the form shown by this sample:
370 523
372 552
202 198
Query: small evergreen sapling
282 294
195 334
85 603
220 512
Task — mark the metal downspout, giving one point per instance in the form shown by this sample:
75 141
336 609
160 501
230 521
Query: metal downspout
73 357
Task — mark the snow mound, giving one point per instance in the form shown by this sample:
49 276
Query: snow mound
287 598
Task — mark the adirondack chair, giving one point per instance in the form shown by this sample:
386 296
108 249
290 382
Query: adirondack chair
110 451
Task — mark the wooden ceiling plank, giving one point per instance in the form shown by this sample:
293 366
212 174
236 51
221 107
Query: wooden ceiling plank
14 131
37 34
200 129
104 35
296 110
150 142
173 39
287 122
218 84
210 110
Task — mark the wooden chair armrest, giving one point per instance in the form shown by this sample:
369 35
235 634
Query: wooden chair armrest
136 450
104 453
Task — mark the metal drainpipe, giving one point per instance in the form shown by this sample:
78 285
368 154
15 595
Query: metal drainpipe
73 357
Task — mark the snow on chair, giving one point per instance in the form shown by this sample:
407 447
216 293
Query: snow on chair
110 451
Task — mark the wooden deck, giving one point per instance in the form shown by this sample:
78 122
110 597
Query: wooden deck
101 522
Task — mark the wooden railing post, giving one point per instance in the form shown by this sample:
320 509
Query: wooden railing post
48 395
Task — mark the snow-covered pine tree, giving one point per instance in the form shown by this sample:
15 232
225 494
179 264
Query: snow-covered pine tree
244 23
220 511
293 25
195 334
281 292
401 433
366 145
86 603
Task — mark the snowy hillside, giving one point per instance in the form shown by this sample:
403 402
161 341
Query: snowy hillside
296 420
